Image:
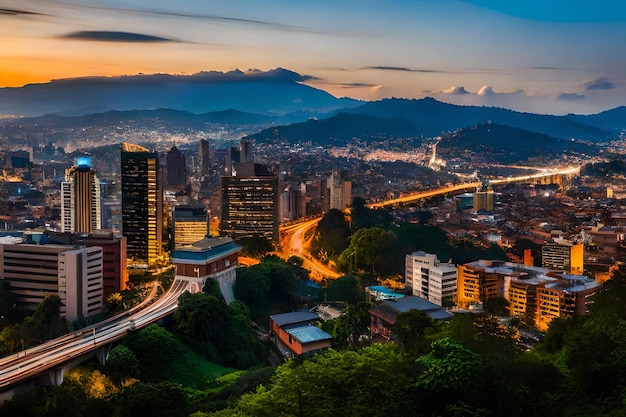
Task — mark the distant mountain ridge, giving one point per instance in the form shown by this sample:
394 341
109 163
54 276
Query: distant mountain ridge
507 144
271 93
436 118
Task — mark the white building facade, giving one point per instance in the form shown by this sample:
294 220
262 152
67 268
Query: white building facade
427 277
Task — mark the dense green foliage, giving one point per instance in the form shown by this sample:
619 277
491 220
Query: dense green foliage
218 332
375 244
43 324
332 235
267 288
255 246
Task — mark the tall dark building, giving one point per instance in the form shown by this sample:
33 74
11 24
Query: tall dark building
204 157
249 198
246 151
142 204
176 168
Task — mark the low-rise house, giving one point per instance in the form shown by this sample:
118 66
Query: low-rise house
384 315
296 333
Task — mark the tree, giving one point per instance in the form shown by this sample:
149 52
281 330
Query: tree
371 249
153 399
253 287
122 363
255 246
351 328
45 323
498 306
449 377
368 382
153 346
219 332
7 303
347 288
409 330
331 235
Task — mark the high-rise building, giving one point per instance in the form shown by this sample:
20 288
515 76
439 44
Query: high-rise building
250 206
176 167
204 157
142 204
114 271
74 273
293 202
245 151
563 255
250 200
80 199
428 278
339 192
189 225
484 198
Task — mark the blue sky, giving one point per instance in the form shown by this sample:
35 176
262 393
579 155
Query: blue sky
559 57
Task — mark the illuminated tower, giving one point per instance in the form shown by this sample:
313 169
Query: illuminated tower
142 202
80 199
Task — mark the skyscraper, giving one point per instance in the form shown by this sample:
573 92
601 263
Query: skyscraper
80 199
142 204
339 192
176 168
204 158
250 199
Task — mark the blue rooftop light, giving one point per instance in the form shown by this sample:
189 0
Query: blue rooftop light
83 162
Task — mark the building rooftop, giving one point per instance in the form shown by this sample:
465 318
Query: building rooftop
574 283
205 249
389 309
308 334
294 317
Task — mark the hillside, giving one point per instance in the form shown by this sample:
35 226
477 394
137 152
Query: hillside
505 144
436 118
339 130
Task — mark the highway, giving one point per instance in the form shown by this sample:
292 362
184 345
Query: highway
295 239
30 363
471 185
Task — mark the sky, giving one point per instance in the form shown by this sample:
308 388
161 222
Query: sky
555 57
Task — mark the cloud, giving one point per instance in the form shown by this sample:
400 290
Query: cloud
456 91
112 36
216 18
486 90
403 69
602 83
571 96
15 12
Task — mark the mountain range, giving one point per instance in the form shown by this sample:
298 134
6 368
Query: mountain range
277 104
276 92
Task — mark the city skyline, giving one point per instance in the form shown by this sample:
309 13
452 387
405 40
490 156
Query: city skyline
558 58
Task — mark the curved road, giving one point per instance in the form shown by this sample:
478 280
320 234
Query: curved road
295 239
30 363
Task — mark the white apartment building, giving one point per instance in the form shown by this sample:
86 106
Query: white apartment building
428 278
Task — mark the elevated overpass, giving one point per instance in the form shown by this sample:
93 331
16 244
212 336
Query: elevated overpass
45 364
544 176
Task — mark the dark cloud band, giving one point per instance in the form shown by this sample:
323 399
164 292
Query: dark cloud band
403 69
14 12
602 83
111 36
